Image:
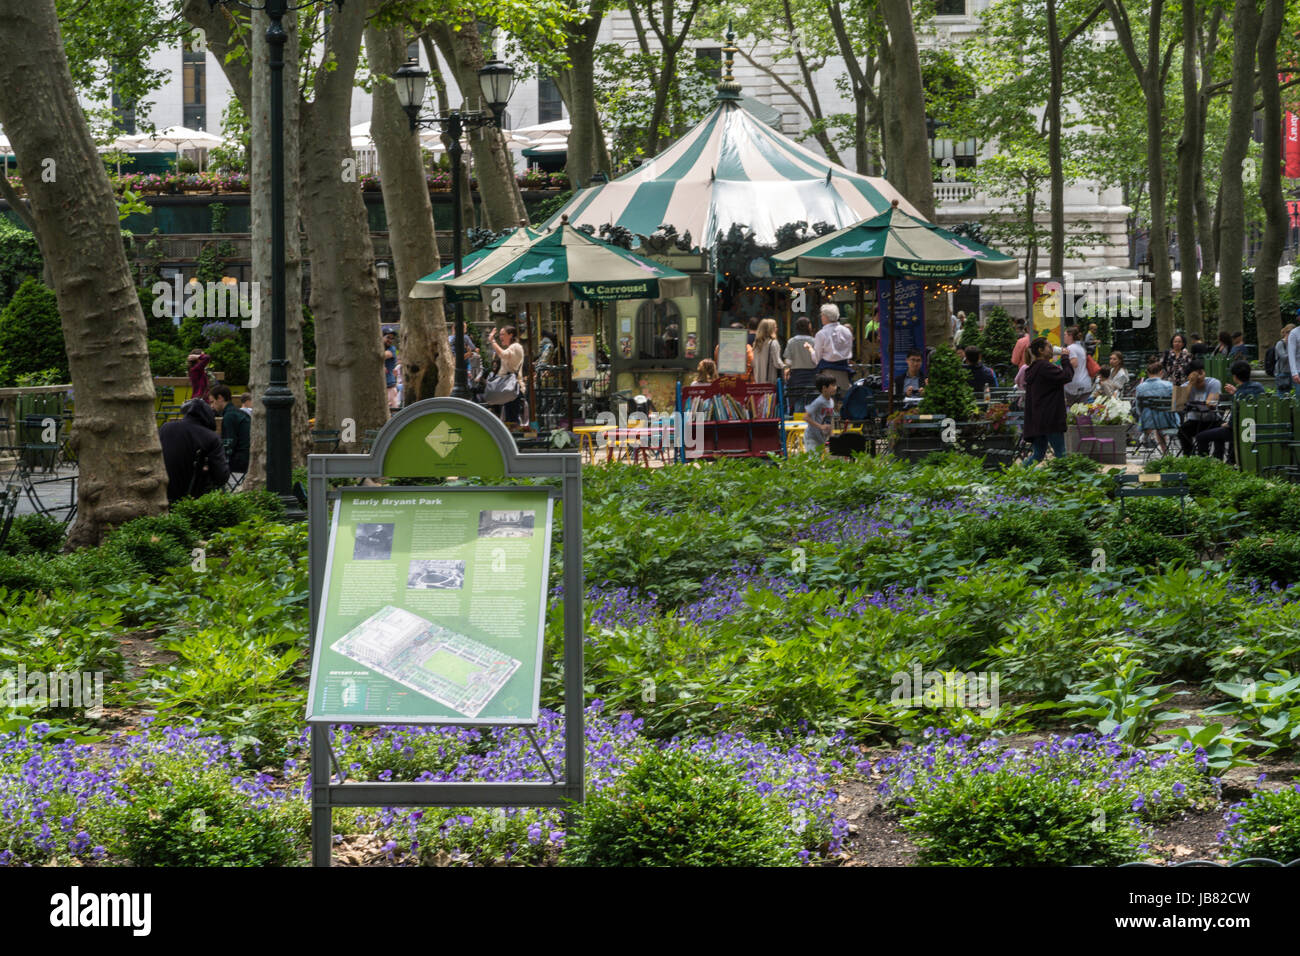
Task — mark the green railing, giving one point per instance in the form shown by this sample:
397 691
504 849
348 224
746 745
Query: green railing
1217 366
1270 448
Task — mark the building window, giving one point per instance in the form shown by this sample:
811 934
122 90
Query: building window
708 60
194 82
550 107
963 152
658 329
950 8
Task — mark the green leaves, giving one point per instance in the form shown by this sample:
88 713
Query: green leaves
1223 750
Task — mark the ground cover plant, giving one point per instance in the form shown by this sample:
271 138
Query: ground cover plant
773 622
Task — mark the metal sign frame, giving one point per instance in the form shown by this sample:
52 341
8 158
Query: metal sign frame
564 791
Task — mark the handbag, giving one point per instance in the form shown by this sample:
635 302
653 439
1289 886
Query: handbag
501 389
1093 367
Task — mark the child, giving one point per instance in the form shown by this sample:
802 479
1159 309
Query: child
820 412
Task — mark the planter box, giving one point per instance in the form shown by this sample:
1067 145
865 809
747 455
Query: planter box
995 451
1113 454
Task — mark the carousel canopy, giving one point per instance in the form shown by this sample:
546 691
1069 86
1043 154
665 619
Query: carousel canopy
560 266
501 250
897 245
732 168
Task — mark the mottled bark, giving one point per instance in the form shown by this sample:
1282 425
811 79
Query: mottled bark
344 291
1232 216
427 362
1268 306
115 432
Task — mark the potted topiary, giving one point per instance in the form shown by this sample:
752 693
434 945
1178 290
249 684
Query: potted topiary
948 395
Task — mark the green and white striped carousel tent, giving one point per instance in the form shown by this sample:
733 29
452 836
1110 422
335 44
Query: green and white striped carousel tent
732 168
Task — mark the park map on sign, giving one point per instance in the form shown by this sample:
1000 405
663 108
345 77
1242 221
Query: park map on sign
456 671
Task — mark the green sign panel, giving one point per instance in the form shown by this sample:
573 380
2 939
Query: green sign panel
434 607
443 444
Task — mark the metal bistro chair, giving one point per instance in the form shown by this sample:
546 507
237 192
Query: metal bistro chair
325 441
234 481
8 505
1277 435
1089 441
1146 446
368 440
1168 484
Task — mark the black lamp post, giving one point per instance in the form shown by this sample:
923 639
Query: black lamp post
495 81
278 399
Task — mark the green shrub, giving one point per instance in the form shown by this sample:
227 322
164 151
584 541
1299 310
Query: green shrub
1048 541
31 334
20 258
219 509
947 389
156 543
1269 560
166 359
1137 547
27 572
999 338
230 356
34 534
1267 825
1002 819
675 808
93 567
180 816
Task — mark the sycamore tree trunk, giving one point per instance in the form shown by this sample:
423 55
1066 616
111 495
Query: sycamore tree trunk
499 198
1232 216
577 86
912 173
115 433
1189 152
427 362
251 86
1268 307
1056 206
344 291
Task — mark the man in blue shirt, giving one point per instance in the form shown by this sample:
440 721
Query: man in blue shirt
981 376
1221 437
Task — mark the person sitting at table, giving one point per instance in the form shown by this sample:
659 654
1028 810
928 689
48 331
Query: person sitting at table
1155 395
1200 414
981 376
910 385
1221 436
1119 377
1101 386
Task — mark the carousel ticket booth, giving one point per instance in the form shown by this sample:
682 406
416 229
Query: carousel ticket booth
654 344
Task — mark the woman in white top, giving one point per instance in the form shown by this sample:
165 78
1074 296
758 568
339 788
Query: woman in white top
1076 361
1119 377
768 364
511 355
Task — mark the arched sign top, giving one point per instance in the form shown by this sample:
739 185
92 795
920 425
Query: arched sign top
439 437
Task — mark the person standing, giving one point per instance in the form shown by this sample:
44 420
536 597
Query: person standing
833 347
197 372
1282 361
511 356
235 428
390 368
1178 358
1045 401
1076 363
1020 351
820 414
192 452
768 364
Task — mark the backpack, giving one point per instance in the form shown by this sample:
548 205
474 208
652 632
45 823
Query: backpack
1270 361
859 404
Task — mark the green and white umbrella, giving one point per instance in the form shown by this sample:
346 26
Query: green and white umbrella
501 250
561 266
895 245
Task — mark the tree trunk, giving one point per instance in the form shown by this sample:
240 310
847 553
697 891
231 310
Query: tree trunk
577 85
115 432
1268 307
1189 150
916 178
344 293
427 363
1056 60
498 191
1232 218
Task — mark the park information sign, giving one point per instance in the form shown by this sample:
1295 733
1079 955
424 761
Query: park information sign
434 607
732 358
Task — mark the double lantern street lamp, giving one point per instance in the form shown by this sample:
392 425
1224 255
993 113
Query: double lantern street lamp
495 82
